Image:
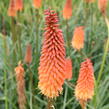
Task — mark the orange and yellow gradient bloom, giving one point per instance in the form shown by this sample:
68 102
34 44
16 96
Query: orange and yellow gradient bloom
52 60
85 85
67 10
12 8
37 3
78 38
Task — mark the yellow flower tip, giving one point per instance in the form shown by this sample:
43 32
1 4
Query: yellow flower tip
67 10
78 38
84 89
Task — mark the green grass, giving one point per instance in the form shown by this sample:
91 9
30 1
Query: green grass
30 28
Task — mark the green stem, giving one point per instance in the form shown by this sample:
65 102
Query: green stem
65 98
19 36
14 39
5 73
67 37
105 54
50 104
37 36
30 86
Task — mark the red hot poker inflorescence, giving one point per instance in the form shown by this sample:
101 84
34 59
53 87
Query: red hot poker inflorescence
20 86
78 38
85 85
52 60
19 5
28 54
37 3
102 5
67 10
12 8
68 69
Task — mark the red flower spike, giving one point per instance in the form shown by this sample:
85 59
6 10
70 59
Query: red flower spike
19 5
28 55
52 60
78 38
68 69
85 85
20 85
102 5
67 11
37 3
12 8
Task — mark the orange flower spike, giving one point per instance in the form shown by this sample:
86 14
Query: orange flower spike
85 85
28 55
68 69
20 85
37 3
102 5
52 60
19 5
67 11
12 8
78 38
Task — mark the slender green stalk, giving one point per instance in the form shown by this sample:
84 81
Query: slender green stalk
5 73
14 38
30 87
67 36
37 36
19 35
65 98
105 54
50 104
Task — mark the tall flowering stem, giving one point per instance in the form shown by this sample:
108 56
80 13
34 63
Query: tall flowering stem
52 60
67 14
105 53
102 4
20 86
84 90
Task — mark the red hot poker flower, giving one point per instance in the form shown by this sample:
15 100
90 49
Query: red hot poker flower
68 69
19 5
20 86
85 85
102 5
78 38
37 3
52 60
28 55
67 11
12 8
